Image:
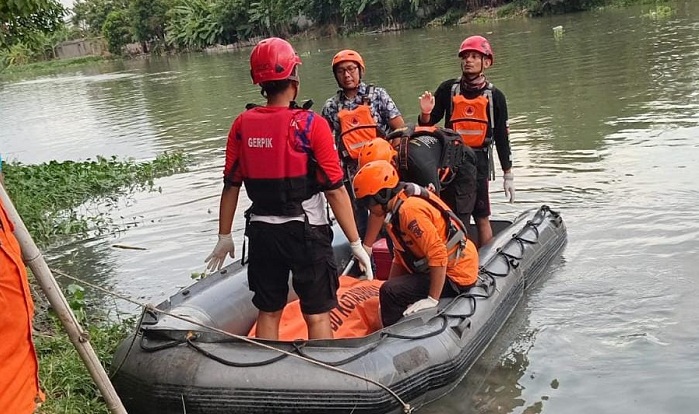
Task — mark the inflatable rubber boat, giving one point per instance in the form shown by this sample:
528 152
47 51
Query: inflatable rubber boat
173 364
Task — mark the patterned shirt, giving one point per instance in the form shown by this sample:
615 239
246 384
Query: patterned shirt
383 108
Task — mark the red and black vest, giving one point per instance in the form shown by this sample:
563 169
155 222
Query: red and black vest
276 160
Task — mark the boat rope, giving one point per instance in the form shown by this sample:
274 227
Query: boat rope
299 349
191 338
151 308
511 260
486 281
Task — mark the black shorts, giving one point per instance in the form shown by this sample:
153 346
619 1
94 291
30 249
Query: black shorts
460 193
482 205
306 251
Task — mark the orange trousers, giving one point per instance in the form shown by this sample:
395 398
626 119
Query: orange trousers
19 380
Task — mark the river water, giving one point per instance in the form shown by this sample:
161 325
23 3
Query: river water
604 128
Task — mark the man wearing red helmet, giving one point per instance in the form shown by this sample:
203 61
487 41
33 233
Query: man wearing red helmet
357 114
286 157
477 110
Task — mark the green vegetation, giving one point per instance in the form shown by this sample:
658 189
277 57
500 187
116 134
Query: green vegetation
63 376
61 199
659 12
42 67
48 197
197 275
28 30
116 31
31 32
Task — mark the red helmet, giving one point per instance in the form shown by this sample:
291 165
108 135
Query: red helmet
479 44
348 55
273 59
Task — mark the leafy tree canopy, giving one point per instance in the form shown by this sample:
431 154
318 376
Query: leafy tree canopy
21 21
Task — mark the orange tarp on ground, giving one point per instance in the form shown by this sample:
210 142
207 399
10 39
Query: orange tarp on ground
356 315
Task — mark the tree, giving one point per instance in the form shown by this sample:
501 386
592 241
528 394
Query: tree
116 30
90 15
149 20
193 24
232 16
24 21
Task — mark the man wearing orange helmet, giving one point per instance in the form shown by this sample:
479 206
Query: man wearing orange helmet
357 114
286 157
477 110
433 257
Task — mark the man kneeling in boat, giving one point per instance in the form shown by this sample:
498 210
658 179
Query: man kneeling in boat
433 256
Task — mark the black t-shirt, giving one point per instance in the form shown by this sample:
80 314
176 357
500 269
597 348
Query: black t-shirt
424 159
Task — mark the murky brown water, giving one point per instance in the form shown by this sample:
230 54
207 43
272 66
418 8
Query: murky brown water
605 128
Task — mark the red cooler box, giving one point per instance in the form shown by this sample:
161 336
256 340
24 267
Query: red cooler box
382 258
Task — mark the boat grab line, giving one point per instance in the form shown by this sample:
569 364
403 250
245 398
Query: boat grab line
407 409
486 277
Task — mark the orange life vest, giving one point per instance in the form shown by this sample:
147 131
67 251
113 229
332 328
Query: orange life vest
470 118
357 126
461 252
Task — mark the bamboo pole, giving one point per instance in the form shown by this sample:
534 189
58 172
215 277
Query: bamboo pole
35 260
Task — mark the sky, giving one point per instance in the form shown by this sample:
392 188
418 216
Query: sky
67 3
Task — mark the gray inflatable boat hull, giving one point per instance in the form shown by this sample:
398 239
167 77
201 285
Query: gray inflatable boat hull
172 366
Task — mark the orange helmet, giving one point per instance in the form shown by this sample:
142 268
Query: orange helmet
376 149
373 178
348 55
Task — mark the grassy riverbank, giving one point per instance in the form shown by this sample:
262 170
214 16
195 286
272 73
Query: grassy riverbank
64 379
57 203
48 67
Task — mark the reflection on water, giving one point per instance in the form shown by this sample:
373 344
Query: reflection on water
604 127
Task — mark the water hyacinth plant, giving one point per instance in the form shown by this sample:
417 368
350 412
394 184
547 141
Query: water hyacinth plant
58 199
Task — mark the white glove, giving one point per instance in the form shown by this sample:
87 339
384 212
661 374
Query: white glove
367 249
422 304
508 183
426 102
218 256
363 258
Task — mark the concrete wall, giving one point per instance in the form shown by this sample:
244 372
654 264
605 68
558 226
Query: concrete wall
77 48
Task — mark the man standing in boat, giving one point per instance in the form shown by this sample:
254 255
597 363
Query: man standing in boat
357 114
286 157
433 256
477 110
